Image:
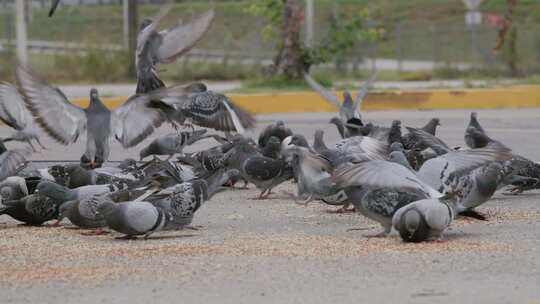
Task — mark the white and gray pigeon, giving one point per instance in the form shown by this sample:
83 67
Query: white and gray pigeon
425 219
154 47
172 143
130 124
14 114
378 188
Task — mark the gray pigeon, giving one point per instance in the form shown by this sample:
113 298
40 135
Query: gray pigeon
425 219
263 172
14 114
348 110
378 188
172 143
276 129
130 124
133 218
13 188
409 140
166 46
313 174
272 148
11 161
33 209
63 194
183 200
83 213
451 163
206 109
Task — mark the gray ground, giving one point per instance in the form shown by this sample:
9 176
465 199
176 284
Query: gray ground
277 252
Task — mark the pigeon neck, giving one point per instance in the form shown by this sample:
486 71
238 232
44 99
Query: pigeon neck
318 143
97 105
60 193
431 126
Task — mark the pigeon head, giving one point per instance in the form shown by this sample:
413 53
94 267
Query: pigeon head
94 93
77 176
67 209
396 146
413 226
436 121
280 123
54 191
6 193
347 97
145 23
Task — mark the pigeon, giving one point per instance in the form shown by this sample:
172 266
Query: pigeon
83 213
172 143
13 188
410 142
277 129
334 156
426 219
378 188
33 209
54 5
313 174
272 148
473 122
133 218
263 172
166 46
437 171
14 114
348 110
130 124
63 194
11 161
181 201
206 109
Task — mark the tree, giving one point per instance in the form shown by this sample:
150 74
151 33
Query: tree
294 57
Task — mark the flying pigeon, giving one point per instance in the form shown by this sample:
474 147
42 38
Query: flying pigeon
130 124
14 114
166 46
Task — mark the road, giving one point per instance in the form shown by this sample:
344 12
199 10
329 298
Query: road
275 251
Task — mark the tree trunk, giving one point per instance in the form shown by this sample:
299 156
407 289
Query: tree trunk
289 60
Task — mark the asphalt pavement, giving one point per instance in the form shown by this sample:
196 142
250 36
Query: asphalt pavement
274 251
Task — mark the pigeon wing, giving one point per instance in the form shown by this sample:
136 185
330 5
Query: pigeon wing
59 118
180 39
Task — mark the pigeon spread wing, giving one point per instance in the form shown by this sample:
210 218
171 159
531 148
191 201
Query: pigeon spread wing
12 110
134 120
216 111
381 174
59 118
363 93
180 39
326 95
10 161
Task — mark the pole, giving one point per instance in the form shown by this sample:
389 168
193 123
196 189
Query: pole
310 23
22 53
125 20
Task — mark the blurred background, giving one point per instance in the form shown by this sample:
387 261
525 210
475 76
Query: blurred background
404 40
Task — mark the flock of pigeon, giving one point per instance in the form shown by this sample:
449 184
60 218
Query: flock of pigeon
413 182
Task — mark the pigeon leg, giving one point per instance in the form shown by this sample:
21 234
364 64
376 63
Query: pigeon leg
261 195
126 237
381 234
306 201
98 231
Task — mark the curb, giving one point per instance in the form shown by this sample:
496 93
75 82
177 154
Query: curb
522 96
